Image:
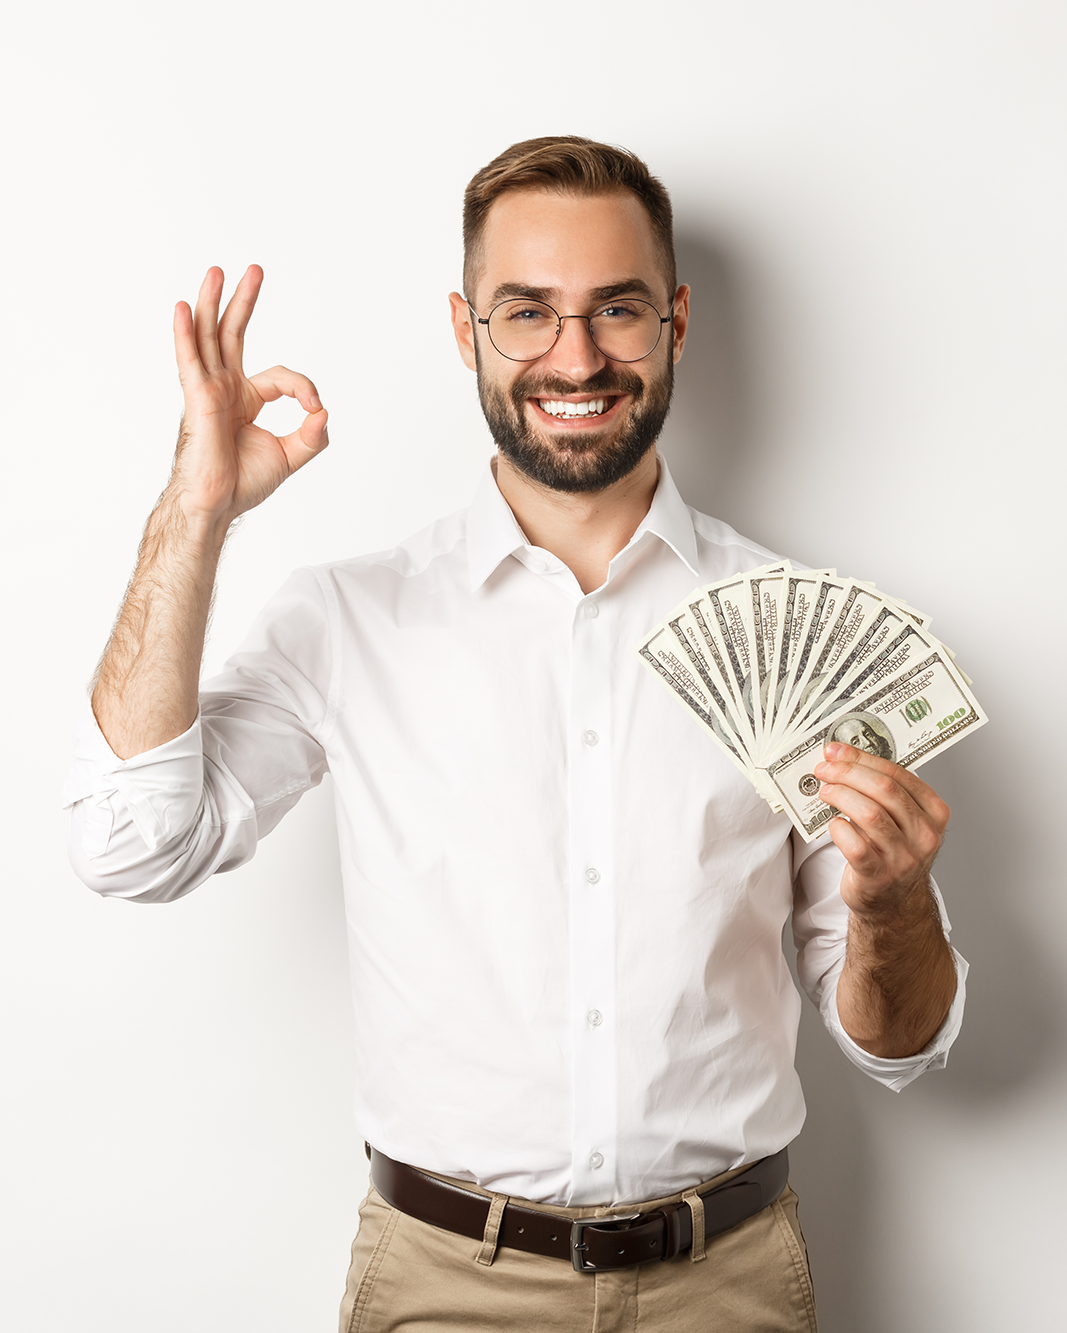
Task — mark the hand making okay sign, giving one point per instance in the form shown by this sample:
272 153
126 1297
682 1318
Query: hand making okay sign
225 463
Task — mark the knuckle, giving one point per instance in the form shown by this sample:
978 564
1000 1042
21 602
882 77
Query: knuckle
929 845
885 785
866 863
882 824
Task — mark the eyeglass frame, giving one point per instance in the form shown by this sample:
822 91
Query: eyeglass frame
525 361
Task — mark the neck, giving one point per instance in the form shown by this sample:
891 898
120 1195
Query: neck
584 530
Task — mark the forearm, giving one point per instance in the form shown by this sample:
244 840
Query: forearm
147 684
899 977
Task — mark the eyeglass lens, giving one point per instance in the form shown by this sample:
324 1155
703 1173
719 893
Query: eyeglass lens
625 330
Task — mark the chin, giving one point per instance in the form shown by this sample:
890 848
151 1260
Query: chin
563 464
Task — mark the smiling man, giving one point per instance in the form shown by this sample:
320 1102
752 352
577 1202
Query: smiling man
574 1022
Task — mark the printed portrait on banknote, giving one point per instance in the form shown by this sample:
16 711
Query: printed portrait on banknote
865 732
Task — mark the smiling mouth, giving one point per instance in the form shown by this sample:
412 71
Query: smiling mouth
565 411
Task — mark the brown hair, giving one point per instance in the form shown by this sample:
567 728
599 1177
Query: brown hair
566 164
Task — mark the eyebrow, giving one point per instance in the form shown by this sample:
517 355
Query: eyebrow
628 287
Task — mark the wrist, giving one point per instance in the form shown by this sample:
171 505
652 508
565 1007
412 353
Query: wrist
177 518
895 904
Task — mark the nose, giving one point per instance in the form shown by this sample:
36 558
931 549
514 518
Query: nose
575 356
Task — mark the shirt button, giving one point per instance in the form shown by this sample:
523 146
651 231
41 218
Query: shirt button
590 737
593 875
538 566
592 610
594 1018
596 1160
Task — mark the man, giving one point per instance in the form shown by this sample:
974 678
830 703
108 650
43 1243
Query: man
565 907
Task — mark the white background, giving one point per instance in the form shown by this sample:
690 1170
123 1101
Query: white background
871 210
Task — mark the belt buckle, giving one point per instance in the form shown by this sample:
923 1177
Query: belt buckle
578 1245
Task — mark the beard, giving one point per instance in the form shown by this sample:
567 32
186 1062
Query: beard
569 461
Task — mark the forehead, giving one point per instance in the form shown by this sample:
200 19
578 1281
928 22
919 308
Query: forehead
570 242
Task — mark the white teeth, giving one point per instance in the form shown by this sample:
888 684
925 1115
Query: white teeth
593 408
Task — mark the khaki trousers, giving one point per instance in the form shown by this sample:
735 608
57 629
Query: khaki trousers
407 1276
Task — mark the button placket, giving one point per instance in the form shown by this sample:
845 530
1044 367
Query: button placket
592 915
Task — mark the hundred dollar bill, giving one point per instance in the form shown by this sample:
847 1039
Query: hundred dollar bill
818 622
885 632
768 660
890 658
906 720
844 640
727 616
698 630
766 595
664 652
798 606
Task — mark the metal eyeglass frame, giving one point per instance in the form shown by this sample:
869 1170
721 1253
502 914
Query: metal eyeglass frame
525 360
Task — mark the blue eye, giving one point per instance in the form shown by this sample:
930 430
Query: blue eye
526 313
619 312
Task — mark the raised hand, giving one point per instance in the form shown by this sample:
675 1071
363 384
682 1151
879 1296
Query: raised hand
146 687
226 464
894 828
899 976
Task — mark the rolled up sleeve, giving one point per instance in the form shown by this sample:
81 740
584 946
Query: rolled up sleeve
152 827
820 930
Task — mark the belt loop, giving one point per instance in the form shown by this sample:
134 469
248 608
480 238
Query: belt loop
696 1207
487 1253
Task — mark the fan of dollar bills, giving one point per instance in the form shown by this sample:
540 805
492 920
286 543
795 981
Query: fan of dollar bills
778 662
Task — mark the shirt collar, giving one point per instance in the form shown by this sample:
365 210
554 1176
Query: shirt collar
669 519
493 533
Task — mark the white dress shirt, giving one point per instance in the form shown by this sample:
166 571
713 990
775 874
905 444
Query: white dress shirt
565 906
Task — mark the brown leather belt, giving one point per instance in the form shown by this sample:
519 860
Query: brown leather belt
591 1244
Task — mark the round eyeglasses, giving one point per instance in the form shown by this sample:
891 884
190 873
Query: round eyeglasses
622 330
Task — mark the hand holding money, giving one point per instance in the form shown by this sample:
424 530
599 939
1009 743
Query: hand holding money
893 828
777 664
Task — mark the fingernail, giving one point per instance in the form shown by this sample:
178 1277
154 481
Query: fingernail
833 750
316 403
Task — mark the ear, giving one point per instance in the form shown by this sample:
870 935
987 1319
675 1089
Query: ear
463 329
681 320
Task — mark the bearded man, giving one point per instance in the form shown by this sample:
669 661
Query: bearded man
575 1027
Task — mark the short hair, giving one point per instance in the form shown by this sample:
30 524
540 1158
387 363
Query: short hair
566 164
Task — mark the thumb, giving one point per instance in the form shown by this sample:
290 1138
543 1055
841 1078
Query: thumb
309 440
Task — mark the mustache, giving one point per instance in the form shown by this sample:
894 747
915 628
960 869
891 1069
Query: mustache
606 381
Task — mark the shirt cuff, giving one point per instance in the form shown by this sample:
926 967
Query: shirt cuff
897 1074
162 788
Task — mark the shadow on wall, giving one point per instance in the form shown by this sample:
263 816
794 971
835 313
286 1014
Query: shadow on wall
706 440
1012 1031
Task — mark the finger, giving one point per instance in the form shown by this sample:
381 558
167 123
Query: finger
236 316
303 444
870 772
873 820
206 319
854 847
190 370
902 835
281 382
873 785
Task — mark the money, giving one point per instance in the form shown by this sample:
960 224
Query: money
777 663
